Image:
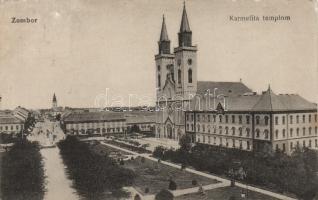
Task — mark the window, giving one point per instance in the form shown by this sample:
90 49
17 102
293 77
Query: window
198 127
291 145
291 132
276 120
233 130
220 117
283 120
192 127
220 129
214 118
226 119
316 130
276 134
291 119
159 81
284 148
158 68
266 120
248 144
297 131
209 139
233 143
297 119
309 130
247 119
203 138
266 134
276 147
304 131
297 143
257 133
203 128
304 119
309 118
198 117
233 118
315 117
179 76
190 61
241 146
240 119
240 131
304 143
190 75
316 143
226 130
209 118
247 132
187 126
284 133
309 143
257 120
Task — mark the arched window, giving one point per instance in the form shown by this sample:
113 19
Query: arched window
257 133
247 132
179 76
257 119
226 130
240 131
159 81
266 120
233 130
190 75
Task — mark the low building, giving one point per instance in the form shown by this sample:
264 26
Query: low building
21 113
90 123
9 124
254 122
143 122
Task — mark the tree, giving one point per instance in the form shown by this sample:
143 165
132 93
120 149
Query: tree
137 197
159 152
172 185
185 143
164 195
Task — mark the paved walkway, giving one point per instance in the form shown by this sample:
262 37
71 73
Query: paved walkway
222 180
58 186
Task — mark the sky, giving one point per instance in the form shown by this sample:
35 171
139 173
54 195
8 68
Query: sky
82 50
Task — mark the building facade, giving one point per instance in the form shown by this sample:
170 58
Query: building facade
10 124
94 123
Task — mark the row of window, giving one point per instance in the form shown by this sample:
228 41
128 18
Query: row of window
223 141
227 130
98 130
297 144
103 124
10 127
291 132
291 119
239 119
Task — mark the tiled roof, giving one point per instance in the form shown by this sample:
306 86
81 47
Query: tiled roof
225 88
10 119
267 101
94 116
134 117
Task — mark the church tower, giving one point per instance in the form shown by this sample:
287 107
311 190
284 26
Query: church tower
54 102
186 60
164 61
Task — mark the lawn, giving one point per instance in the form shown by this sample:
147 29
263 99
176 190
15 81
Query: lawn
155 176
225 194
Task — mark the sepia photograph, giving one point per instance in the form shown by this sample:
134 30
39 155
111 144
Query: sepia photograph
158 99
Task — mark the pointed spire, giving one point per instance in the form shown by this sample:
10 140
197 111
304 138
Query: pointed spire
184 21
164 33
54 97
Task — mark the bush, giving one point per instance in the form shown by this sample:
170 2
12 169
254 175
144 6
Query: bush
137 197
121 162
172 185
159 152
146 190
22 173
164 195
194 182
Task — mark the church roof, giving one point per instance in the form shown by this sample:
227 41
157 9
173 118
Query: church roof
184 21
164 33
225 88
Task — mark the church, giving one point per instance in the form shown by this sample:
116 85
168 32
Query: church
227 114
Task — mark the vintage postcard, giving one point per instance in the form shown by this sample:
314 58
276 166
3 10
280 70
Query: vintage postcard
158 99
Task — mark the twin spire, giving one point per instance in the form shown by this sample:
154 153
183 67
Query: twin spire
184 27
